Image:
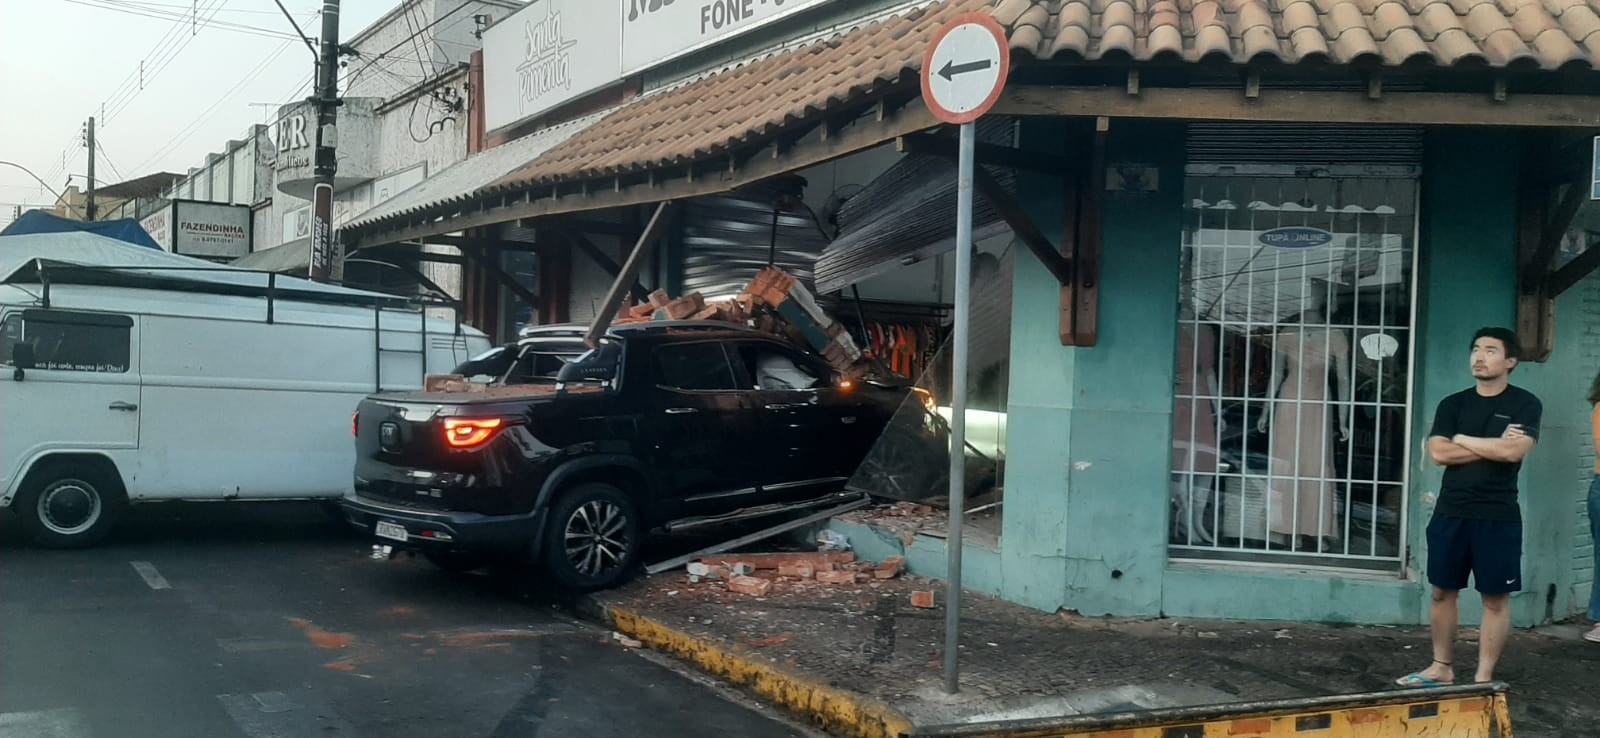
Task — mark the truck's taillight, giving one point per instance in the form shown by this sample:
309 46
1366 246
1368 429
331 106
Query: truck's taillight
355 423
469 432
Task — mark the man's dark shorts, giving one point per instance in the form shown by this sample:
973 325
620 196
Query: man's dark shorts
1490 550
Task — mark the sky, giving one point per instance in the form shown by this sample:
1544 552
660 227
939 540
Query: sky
62 61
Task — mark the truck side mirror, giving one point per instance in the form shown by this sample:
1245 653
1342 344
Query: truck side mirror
21 358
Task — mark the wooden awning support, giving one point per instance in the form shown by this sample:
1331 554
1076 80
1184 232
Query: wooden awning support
1007 206
1545 212
481 252
1084 204
599 257
629 274
1022 226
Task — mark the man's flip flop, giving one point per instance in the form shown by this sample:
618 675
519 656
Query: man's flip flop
1418 680
1592 636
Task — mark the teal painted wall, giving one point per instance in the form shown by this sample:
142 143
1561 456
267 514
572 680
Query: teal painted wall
1089 428
1468 264
1033 538
1086 509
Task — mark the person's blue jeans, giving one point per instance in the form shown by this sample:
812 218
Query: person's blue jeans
1594 532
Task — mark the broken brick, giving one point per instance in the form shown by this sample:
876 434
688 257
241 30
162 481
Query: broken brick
890 568
659 299
802 570
836 577
922 598
749 586
817 559
680 309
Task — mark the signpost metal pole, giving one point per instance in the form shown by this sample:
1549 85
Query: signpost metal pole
963 74
958 405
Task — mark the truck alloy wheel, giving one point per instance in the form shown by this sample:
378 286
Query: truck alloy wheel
593 537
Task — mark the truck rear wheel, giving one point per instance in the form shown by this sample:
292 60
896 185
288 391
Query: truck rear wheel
70 505
593 537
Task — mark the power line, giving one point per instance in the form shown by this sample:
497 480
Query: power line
140 3
172 44
102 149
189 130
41 182
115 7
424 29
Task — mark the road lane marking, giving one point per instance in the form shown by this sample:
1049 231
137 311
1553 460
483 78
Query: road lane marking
151 576
62 723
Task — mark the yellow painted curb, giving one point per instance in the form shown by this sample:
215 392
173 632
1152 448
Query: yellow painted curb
834 709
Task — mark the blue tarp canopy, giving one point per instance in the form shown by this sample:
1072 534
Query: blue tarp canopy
39 221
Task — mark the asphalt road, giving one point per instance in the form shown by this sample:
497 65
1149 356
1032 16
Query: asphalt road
267 621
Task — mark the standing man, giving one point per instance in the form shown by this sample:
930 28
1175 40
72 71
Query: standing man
1480 435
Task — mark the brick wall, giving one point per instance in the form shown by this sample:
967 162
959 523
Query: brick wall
1588 315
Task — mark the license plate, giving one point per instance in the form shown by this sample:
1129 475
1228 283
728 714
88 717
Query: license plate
391 531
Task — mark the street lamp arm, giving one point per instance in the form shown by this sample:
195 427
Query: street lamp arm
42 183
296 24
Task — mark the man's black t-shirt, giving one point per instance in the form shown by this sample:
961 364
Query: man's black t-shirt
1484 489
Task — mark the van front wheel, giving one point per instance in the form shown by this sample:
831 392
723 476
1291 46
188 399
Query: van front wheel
69 505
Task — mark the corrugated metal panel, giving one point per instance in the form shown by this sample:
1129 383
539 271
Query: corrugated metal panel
728 239
909 209
1227 143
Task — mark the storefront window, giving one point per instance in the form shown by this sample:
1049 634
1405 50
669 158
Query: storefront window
1291 420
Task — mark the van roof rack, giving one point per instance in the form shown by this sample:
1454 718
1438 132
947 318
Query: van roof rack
47 272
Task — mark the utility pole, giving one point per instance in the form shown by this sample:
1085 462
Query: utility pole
322 255
88 200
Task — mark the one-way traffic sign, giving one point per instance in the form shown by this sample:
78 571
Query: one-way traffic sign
965 68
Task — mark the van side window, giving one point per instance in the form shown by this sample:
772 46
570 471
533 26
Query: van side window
70 341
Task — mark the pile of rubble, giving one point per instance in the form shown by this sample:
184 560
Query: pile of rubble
775 303
757 574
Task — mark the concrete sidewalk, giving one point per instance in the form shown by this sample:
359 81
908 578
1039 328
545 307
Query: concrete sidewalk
859 659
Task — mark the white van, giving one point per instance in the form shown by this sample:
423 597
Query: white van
130 375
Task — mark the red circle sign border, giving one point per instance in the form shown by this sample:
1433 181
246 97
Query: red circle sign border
987 21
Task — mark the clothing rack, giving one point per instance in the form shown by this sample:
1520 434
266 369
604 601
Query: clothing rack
905 336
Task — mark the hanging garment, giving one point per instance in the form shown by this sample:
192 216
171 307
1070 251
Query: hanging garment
1194 424
1303 498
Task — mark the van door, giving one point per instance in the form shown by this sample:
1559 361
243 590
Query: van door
82 393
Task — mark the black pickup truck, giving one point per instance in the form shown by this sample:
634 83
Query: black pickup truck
569 459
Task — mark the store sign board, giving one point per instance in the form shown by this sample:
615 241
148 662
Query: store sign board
660 30
548 53
159 226
208 229
1295 237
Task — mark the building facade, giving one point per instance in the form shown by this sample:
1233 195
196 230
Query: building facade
1230 261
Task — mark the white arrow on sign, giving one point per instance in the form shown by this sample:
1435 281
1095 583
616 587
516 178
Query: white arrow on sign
965 68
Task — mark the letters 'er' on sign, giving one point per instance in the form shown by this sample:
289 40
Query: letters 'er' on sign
965 68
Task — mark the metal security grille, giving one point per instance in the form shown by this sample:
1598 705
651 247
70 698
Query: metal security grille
1291 413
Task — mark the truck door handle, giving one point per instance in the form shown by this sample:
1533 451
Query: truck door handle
123 406
681 411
